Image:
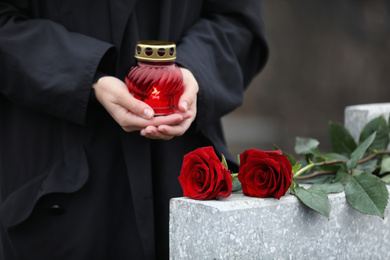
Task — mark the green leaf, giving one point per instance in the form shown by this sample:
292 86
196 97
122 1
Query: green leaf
359 151
306 145
295 168
386 178
378 125
335 187
368 167
331 157
368 194
385 165
341 140
317 179
388 120
334 156
224 162
342 176
357 172
292 188
236 184
314 199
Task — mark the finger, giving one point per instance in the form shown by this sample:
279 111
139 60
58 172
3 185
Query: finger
131 122
167 132
151 132
174 130
110 91
151 129
135 106
172 119
191 89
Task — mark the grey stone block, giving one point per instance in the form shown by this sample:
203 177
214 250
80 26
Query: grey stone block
356 117
241 227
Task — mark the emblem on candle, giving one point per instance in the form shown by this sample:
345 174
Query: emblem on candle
156 79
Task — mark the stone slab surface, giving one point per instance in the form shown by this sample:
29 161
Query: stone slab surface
356 117
241 227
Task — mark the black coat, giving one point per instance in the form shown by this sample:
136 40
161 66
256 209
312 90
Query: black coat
65 164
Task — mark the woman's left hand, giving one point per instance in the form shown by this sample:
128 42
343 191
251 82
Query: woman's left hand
186 108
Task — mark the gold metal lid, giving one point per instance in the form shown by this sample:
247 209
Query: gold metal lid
155 51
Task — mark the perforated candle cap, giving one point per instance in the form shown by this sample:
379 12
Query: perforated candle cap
155 51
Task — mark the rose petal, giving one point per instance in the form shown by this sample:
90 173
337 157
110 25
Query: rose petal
264 174
203 176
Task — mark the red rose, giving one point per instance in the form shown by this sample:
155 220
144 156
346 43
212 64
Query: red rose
264 174
203 176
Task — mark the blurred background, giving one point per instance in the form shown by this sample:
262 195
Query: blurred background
324 56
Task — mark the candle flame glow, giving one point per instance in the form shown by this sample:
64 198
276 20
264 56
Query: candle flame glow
155 93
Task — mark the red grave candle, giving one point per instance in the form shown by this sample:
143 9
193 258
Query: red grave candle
156 79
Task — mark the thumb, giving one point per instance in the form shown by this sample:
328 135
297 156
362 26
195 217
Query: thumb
113 90
137 107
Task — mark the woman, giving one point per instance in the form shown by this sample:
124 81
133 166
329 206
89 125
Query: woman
86 170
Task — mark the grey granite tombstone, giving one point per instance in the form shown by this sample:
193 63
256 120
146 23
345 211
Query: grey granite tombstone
356 117
241 227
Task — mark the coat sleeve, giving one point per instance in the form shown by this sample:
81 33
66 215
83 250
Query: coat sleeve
224 50
44 67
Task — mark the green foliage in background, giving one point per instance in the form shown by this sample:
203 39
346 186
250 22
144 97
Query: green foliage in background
361 170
